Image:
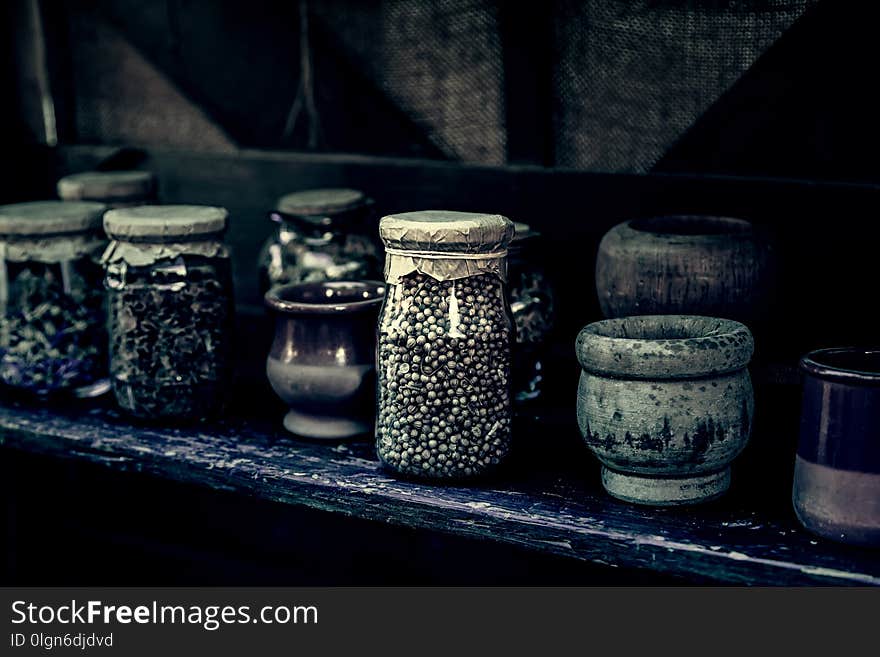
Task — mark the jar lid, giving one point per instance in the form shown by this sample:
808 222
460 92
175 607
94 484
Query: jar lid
107 185
321 201
523 232
147 223
446 231
50 217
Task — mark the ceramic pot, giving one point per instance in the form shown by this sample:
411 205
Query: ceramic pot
322 360
665 402
702 265
837 469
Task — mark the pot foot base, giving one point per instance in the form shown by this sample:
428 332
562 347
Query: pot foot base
325 427
665 491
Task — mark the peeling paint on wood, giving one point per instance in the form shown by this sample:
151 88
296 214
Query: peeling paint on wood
546 512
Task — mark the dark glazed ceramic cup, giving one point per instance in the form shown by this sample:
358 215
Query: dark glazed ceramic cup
837 470
322 361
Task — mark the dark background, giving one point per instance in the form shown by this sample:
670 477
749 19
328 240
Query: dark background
570 115
778 88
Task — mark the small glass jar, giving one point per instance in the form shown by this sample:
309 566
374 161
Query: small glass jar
445 337
169 284
321 235
532 305
52 335
115 189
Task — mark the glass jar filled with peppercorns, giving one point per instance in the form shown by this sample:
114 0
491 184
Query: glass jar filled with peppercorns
532 305
169 291
52 316
445 337
321 235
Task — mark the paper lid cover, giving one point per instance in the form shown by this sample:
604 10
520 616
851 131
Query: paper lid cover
147 223
50 217
107 185
446 231
313 202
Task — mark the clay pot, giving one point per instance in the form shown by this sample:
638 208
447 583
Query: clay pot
837 469
322 361
702 265
665 402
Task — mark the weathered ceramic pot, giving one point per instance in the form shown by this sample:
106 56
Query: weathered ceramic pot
665 402
701 265
837 469
322 361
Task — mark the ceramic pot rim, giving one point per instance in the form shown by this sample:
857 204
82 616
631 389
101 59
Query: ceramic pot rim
723 227
812 363
698 347
275 298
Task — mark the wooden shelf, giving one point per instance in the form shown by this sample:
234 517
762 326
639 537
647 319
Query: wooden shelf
563 513
549 500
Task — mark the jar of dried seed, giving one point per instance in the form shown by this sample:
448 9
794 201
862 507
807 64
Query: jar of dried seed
52 335
321 235
169 286
445 336
116 189
532 305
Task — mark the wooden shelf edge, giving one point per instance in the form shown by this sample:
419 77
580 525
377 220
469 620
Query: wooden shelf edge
343 479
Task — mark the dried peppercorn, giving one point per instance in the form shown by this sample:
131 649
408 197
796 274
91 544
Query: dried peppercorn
445 336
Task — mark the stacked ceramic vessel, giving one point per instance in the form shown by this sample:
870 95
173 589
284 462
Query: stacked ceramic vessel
665 399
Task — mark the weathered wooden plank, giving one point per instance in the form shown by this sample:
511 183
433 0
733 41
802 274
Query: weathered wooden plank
555 513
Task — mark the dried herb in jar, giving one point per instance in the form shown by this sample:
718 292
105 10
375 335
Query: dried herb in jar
532 305
321 235
52 334
170 310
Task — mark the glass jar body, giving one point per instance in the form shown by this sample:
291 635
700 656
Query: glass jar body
532 305
170 325
301 252
443 372
52 316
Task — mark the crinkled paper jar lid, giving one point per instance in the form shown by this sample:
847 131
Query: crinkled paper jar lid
107 185
165 223
320 201
446 231
50 218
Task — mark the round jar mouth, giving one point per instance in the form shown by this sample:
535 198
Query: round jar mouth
664 346
857 365
325 297
692 225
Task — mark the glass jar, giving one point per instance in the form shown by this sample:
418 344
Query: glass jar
116 189
52 335
445 336
322 235
169 284
532 305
